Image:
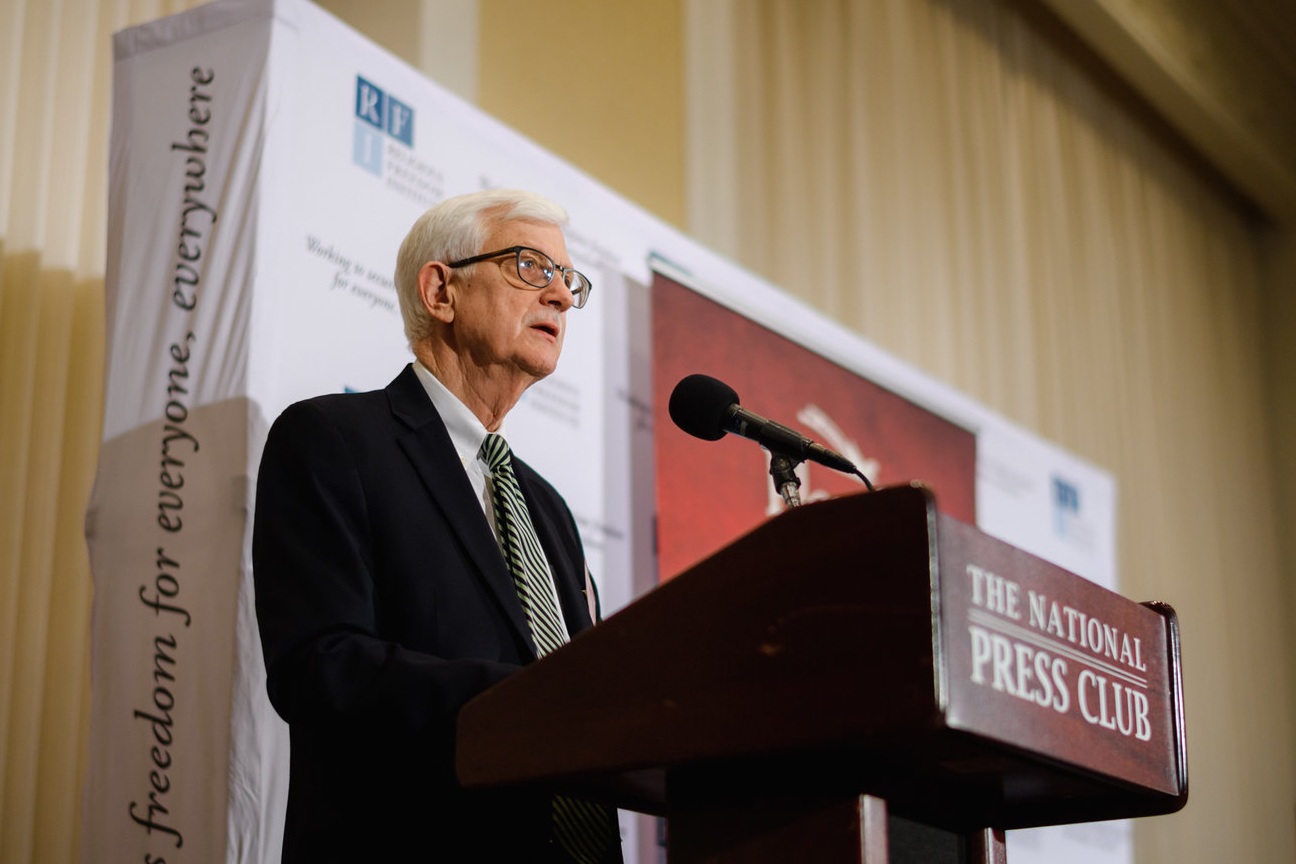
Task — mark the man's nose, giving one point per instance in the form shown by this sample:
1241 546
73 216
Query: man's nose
558 295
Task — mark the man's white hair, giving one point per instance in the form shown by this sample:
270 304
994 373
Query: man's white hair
454 229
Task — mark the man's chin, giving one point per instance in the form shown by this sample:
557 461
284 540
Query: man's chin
540 361
538 370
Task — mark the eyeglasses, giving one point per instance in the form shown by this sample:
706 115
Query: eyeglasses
537 270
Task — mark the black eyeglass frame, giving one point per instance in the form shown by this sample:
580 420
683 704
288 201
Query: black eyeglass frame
579 298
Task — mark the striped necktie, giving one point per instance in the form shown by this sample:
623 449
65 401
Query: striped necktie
586 831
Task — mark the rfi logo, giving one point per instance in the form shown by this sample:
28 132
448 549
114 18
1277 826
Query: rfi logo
378 114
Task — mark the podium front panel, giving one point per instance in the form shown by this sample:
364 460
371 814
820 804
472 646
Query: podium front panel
1044 661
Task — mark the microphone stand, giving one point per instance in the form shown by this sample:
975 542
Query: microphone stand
786 482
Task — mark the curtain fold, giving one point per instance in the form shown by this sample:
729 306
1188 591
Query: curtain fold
49 579
958 181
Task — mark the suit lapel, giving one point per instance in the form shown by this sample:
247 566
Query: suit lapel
427 445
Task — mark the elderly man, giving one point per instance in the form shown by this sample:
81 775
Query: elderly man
405 561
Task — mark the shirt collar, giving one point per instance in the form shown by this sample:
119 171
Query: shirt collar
466 432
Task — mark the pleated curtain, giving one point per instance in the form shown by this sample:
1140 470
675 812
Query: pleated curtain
959 182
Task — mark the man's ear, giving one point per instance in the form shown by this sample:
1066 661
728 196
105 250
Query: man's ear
434 290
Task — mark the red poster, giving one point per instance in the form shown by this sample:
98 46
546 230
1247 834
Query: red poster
709 493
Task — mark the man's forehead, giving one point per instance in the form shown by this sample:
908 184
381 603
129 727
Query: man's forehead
505 226
545 236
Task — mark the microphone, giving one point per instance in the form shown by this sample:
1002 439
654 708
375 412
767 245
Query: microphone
708 409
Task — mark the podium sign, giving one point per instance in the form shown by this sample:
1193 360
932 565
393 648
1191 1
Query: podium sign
1048 663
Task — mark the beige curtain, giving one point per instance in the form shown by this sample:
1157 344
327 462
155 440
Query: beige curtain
958 182
55 77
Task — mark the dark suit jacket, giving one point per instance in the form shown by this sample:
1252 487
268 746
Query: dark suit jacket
384 605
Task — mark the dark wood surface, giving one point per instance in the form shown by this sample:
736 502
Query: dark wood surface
827 655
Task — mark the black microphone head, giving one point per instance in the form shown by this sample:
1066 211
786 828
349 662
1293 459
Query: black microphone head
698 405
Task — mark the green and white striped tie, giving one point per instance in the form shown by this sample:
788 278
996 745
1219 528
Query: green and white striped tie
585 830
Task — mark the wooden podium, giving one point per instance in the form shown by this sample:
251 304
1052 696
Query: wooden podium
861 679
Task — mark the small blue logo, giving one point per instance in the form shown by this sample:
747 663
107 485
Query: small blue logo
379 116
1066 505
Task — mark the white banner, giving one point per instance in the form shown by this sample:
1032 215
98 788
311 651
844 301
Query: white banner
266 162
166 521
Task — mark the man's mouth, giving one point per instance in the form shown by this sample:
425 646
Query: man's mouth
547 327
